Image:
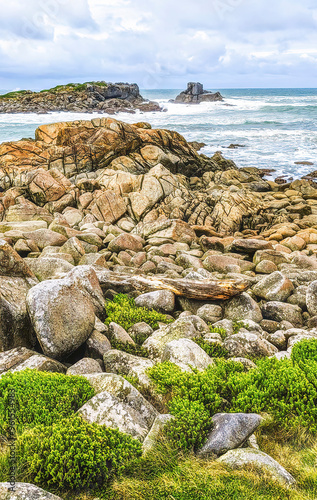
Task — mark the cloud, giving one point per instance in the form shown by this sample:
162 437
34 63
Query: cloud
159 43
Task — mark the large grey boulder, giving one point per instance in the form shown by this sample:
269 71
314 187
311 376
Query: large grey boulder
119 405
230 430
275 286
184 327
246 344
243 307
62 311
280 311
160 300
187 355
25 491
245 457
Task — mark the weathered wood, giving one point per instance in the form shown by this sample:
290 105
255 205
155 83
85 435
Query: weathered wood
191 289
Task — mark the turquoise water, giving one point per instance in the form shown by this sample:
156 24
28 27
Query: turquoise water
278 127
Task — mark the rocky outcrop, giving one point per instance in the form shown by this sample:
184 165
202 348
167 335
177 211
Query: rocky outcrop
195 93
86 97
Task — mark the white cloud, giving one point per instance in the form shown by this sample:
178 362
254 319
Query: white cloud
159 43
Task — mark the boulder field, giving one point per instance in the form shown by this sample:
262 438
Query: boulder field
92 208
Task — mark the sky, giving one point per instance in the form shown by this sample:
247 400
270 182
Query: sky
159 43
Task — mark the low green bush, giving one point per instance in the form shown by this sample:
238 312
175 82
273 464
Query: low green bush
280 388
74 454
40 397
305 350
193 398
214 350
123 311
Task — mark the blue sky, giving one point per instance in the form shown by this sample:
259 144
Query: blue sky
159 43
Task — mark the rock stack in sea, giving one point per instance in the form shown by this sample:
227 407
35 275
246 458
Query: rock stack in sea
101 97
195 93
92 208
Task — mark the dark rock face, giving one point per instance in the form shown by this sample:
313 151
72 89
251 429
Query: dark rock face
94 96
195 94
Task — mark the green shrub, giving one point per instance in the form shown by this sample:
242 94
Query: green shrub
305 350
214 350
199 395
279 388
41 397
189 429
123 311
75 454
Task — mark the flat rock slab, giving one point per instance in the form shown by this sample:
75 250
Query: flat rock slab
230 431
243 457
25 491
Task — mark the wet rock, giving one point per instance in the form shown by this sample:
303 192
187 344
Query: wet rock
230 431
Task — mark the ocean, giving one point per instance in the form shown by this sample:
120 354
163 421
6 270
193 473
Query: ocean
277 127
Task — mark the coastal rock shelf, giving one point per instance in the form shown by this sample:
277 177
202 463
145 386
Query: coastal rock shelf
99 97
121 248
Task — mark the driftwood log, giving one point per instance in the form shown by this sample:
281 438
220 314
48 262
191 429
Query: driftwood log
191 289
